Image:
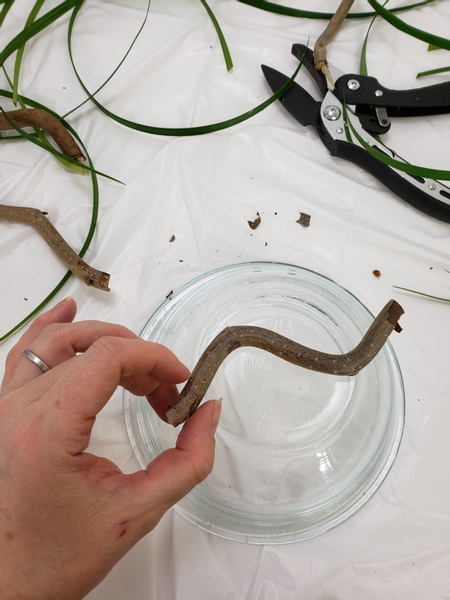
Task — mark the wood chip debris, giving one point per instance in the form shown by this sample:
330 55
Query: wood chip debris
254 224
304 219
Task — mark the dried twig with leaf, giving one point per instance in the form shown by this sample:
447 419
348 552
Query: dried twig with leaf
36 117
32 216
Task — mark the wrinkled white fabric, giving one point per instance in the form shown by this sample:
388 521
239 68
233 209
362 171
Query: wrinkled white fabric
202 190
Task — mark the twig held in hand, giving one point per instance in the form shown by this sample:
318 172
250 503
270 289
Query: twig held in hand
235 337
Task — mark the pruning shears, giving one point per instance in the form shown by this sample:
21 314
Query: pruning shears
354 112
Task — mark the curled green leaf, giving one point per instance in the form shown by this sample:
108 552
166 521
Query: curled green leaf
409 29
173 131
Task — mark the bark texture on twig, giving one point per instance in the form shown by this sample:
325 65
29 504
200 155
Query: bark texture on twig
320 48
235 337
36 117
37 219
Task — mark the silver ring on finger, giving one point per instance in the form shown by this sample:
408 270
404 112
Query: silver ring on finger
36 360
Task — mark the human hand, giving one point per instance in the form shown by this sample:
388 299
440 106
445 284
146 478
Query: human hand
67 516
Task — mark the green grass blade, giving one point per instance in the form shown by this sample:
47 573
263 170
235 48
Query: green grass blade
38 308
173 131
432 72
118 66
5 9
363 60
19 56
422 294
37 27
419 34
414 170
308 14
223 43
92 226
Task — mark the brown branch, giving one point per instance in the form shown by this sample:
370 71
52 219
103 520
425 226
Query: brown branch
37 219
235 337
36 117
320 48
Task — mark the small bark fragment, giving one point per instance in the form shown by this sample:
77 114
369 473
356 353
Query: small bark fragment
172 239
37 219
36 117
254 224
304 220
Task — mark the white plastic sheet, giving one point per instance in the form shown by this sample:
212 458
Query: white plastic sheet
203 190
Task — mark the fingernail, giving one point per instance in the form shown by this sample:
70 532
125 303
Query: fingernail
64 300
216 414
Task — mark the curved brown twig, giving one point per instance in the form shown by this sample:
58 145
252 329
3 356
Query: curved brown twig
36 117
232 338
320 47
37 219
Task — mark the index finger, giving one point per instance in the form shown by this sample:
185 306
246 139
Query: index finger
87 385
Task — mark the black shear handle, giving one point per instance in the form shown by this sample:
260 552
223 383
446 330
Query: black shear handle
404 189
419 102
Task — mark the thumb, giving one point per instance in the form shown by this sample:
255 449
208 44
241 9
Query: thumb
175 472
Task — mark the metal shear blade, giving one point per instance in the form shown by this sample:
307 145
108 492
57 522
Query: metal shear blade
297 101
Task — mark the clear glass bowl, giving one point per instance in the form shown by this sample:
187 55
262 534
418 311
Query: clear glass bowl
297 452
